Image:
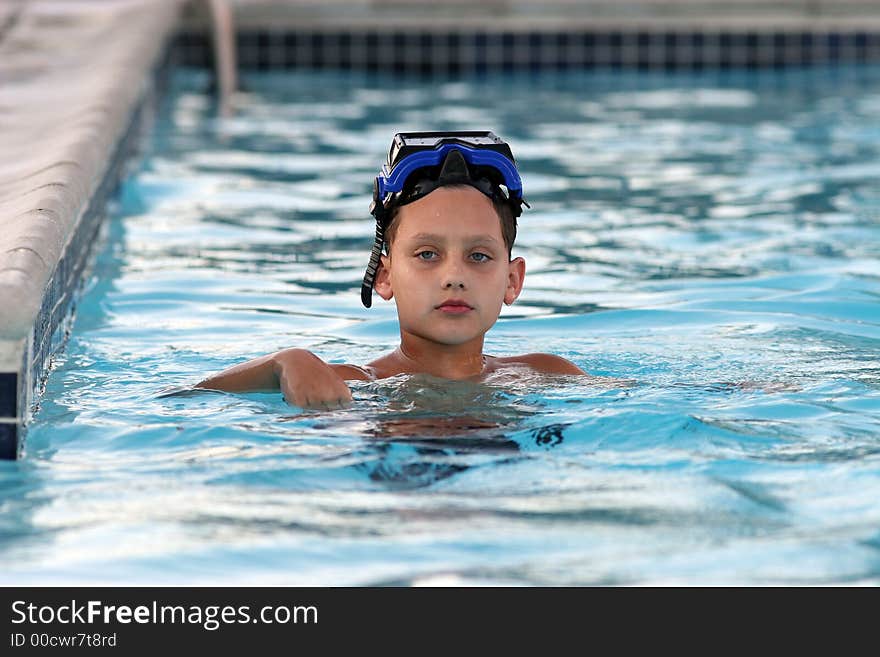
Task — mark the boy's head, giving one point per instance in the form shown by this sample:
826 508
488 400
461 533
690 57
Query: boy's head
420 163
448 267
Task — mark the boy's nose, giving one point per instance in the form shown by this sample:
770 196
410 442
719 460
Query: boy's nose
453 276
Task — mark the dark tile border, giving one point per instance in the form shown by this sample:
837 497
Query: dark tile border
13 396
8 440
428 52
8 393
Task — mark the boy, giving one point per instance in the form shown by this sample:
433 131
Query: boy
445 206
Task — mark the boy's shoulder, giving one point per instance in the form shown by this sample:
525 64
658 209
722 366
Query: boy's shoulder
546 363
350 372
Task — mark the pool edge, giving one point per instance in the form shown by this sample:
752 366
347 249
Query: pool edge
54 204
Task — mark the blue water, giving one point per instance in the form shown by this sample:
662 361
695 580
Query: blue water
713 240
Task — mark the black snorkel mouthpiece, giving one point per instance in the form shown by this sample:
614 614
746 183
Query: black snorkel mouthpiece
420 162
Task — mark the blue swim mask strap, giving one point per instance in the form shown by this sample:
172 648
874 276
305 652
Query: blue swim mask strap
420 162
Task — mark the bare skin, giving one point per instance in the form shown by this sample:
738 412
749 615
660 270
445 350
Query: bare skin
449 274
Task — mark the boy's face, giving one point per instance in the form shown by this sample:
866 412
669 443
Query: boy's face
448 267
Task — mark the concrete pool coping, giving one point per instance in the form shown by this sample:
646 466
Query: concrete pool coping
522 15
76 75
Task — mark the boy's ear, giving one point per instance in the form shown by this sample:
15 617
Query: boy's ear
382 284
515 275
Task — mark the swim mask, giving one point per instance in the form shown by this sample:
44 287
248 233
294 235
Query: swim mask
420 162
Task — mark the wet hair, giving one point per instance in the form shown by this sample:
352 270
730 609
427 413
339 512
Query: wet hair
502 209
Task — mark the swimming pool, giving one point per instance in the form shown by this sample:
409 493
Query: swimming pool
713 239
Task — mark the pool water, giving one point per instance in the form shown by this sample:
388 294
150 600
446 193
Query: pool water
710 242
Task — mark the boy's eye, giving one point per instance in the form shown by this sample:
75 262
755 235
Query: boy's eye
480 257
425 255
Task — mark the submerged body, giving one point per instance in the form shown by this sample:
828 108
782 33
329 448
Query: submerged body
449 272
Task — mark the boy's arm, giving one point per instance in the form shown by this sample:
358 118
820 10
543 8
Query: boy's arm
304 379
256 374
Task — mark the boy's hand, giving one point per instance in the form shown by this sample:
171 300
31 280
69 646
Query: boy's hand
308 382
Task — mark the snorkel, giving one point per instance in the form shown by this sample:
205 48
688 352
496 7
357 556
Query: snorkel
420 162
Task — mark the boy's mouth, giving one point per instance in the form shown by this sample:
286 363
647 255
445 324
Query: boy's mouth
454 306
